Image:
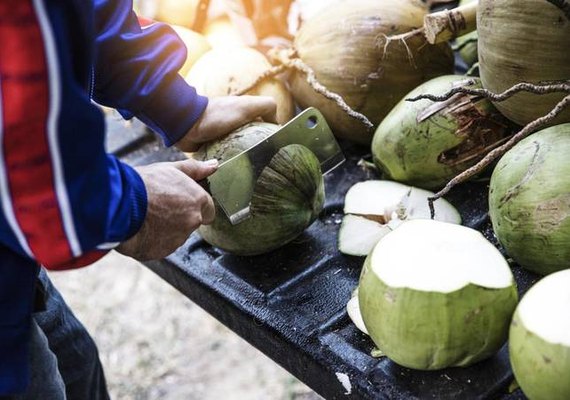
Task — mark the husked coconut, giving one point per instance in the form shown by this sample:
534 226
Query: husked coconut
539 339
435 295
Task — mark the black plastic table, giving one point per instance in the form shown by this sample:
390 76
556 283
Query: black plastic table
291 303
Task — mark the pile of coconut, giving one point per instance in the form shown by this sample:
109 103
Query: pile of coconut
433 294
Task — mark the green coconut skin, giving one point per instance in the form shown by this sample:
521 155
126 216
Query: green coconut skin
431 330
345 47
425 144
542 369
529 201
467 44
288 196
523 41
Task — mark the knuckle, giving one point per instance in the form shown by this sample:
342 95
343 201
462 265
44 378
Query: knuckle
195 221
203 198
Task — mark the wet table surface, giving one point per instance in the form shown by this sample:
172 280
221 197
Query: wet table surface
290 303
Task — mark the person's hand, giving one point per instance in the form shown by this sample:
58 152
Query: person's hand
224 115
177 205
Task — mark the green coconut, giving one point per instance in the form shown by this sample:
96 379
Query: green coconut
287 196
435 295
353 50
539 339
467 47
427 143
529 200
524 41
467 44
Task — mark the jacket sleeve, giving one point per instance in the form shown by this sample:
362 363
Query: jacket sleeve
64 201
136 71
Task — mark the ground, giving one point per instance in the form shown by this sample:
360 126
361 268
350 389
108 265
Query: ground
156 344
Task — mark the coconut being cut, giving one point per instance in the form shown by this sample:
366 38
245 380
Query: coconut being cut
539 339
287 197
375 208
435 295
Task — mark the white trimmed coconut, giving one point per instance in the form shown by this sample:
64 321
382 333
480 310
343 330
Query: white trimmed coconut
375 208
539 340
435 295
353 310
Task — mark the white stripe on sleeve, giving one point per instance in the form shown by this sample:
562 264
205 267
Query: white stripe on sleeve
53 139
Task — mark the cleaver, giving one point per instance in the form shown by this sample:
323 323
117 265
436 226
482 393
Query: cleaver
232 184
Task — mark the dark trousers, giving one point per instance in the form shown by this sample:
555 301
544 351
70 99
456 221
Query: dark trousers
64 358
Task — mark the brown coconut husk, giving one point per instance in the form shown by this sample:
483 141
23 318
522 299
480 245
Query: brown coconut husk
356 60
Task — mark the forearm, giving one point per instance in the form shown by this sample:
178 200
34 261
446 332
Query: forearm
63 198
136 71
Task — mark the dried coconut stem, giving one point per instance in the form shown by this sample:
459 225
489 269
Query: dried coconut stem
312 80
288 60
402 38
448 24
500 151
270 73
498 97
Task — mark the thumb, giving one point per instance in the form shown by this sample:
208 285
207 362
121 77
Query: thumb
197 170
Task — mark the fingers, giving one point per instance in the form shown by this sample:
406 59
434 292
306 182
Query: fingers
225 114
208 211
197 170
177 206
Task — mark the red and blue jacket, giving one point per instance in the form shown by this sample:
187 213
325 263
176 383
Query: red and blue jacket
64 201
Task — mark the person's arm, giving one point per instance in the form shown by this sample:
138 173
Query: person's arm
136 72
64 201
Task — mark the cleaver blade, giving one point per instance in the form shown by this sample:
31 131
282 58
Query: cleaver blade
232 184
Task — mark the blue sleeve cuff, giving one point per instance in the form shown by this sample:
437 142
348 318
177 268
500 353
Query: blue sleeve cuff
137 199
174 109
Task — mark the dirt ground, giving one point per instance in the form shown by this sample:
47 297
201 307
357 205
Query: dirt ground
156 344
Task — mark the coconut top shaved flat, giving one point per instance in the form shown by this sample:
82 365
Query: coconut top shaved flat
374 197
544 310
434 256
